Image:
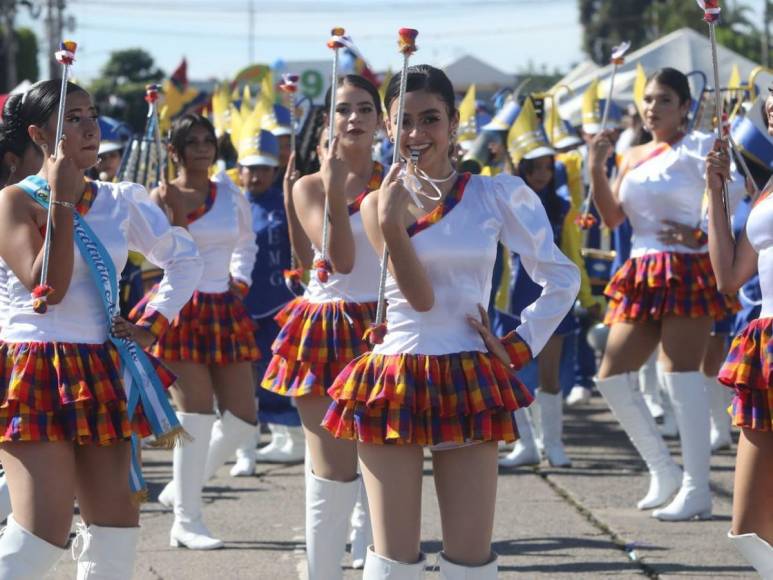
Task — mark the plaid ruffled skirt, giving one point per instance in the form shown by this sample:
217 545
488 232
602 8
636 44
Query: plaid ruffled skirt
426 399
316 342
67 392
211 329
662 284
749 371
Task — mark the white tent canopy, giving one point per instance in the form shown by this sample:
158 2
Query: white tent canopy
684 49
469 70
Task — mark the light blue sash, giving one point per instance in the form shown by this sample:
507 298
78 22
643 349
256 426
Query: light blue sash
140 381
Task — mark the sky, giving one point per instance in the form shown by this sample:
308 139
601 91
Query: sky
214 35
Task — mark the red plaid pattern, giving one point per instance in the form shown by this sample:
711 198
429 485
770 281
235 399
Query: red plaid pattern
240 288
154 322
517 349
749 370
666 284
426 399
67 392
211 329
316 342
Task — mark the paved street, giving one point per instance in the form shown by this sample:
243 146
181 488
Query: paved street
551 523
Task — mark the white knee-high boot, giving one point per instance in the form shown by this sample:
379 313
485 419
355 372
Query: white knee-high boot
552 415
691 407
107 553
382 568
246 455
451 571
668 427
719 400
627 404
287 445
328 508
5 499
362 534
24 556
525 450
756 551
226 434
649 383
189 462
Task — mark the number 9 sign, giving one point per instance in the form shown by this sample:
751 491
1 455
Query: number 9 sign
312 84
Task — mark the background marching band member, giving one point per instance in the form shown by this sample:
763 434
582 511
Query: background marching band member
258 162
211 344
666 292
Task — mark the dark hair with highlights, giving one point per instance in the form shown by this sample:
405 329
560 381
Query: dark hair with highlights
675 80
182 127
359 82
423 77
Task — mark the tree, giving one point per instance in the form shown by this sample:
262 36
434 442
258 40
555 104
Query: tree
120 91
606 23
27 55
132 65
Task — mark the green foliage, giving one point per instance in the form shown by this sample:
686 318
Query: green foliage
26 55
134 65
120 92
608 22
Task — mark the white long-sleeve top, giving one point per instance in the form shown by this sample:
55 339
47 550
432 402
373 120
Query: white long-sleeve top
225 238
458 253
359 285
123 218
759 229
670 186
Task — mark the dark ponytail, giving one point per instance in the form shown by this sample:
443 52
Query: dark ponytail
35 107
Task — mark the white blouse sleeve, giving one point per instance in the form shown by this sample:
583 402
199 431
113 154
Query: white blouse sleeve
525 229
169 247
246 250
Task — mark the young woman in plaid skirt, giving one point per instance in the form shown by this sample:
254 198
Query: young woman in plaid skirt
211 344
64 419
323 330
18 158
749 365
432 382
665 292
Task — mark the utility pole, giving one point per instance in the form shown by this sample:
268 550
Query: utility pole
54 28
8 41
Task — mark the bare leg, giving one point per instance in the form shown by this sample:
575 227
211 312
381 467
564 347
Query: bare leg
628 347
331 458
466 483
752 510
102 485
235 390
193 391
393 481
41 477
